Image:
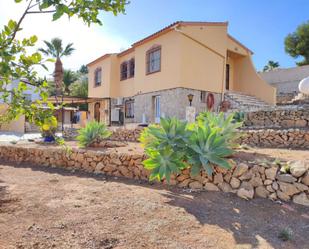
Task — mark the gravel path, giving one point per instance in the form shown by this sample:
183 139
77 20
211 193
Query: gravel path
53 208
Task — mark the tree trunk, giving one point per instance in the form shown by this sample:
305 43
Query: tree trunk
58 77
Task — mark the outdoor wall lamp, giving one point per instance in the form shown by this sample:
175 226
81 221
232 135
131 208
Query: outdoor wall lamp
190 98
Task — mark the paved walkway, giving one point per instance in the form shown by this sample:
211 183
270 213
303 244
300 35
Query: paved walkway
14 136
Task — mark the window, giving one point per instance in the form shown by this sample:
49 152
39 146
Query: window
153 60
131 67
98 77
129 108
203 96
124 70
27 96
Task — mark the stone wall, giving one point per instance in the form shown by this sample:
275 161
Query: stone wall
245 179
280 117
274 138
285 98
128 135
173 103
277 138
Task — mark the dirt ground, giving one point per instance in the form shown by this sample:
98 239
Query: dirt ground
53 208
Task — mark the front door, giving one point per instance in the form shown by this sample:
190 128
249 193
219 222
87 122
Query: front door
97 112
157 109
227 77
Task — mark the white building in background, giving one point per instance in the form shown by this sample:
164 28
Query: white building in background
286 80
30 94
19 124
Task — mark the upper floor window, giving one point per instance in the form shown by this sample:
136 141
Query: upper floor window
153 60
98 77
131 67
124 70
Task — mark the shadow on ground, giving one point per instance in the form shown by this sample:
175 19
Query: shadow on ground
251 222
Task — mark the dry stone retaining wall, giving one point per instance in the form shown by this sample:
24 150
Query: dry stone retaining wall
277 138
285 117
247 181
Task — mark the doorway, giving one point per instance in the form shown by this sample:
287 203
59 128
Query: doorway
157 108
97 112
227 77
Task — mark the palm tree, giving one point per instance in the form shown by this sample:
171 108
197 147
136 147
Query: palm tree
57 51
271 65
69 77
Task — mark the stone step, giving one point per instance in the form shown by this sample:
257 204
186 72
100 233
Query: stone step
243 102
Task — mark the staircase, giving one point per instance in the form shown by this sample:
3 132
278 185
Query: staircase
242 102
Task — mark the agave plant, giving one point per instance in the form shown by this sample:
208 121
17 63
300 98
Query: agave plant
92 132
175 145
226 126
206 148
164 145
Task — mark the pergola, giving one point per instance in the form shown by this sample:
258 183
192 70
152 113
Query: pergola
61 100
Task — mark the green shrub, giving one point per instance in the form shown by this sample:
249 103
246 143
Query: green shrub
92 132
239 117
285 234
175 145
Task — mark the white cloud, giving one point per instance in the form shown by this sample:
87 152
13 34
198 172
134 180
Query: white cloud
90 42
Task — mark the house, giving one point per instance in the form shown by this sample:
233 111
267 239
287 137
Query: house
153 78
18 125
286 80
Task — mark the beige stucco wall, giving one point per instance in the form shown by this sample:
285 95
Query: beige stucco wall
126 87
230 61
248 81
104 90
202 68
192 56
169 76
17 125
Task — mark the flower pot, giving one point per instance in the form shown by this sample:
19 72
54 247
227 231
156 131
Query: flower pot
49 139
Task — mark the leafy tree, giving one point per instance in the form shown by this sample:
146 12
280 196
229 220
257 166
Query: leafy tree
83 69
271 65
69 77
79 88
17 63
297 43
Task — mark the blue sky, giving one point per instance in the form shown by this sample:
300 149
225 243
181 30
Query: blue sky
261 25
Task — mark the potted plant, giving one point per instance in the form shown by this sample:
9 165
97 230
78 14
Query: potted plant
48 128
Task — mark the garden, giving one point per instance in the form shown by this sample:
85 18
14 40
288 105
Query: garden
175 180
204 155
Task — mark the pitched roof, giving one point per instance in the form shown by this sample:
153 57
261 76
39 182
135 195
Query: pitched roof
166 30
98 59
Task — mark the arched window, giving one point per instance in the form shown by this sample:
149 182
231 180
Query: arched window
124 70
131 67
98 76
97 112
153 59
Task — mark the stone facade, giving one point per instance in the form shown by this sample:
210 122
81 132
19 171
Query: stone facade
173 103
245 180
280 117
